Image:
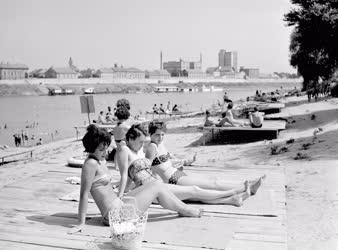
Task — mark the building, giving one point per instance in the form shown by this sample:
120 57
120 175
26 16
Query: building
106 73
196 73
182 68
250 72
121 73
128 73
38 73
227 60
12 71
61 73
157 74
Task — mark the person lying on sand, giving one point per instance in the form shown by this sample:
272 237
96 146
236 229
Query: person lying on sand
162 165
96 180
134 167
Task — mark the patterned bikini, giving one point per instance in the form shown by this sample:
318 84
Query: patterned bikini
174 175
139 171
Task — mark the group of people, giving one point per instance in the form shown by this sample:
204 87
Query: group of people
227 119
147 173
165 110
108 117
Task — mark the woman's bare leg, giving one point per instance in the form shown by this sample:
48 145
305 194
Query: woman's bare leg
197 193
209 183
145 194
215 184
235 200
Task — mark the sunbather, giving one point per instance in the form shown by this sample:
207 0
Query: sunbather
163 166
229 118
96 180
134 167
256 118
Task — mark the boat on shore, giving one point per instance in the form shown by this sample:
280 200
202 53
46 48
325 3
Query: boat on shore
89 91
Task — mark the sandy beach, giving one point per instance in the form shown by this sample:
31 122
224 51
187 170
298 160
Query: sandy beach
307 154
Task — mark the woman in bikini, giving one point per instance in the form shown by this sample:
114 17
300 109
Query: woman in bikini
162 165
96 180
135 168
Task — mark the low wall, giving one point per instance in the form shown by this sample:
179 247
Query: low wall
91 81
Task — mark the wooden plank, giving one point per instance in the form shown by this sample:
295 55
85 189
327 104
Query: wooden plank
255 245
7 244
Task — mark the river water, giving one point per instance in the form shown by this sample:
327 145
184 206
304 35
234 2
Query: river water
54 117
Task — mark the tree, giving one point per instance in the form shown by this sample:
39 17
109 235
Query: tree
314 46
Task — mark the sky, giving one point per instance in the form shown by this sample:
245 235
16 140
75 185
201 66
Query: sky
96 34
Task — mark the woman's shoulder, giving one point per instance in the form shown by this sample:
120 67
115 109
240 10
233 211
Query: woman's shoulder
90 164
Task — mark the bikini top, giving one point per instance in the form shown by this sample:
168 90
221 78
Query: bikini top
160 159
101 191
100 180
139 171
165 171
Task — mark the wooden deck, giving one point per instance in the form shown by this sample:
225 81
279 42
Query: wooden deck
268 131
33 217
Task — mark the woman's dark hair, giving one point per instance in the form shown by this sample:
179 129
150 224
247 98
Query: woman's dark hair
136 131
230 105
123 102
155 125
94 137
207 112
122 113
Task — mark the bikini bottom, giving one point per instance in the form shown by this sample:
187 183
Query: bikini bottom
177 175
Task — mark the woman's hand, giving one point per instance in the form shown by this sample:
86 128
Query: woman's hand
190 162
76 228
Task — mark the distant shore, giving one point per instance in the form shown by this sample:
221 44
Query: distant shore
37 87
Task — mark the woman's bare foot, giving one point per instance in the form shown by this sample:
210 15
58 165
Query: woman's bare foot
255 184
236 200
191 212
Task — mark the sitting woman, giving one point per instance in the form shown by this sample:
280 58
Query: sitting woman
96 180
134 167
256 118
162 165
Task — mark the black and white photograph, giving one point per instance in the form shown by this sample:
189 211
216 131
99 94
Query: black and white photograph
169 125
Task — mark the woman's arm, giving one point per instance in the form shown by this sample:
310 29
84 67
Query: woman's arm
87 176
122 162
151 152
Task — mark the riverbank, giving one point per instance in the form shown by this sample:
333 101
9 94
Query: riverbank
308 158
40 87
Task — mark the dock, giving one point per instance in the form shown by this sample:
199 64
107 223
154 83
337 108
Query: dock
225 135
33 216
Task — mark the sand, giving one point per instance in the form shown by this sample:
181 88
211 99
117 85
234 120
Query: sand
311 191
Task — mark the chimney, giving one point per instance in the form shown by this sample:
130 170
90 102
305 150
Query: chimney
161 65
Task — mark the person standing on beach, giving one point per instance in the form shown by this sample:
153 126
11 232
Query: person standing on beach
168 109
